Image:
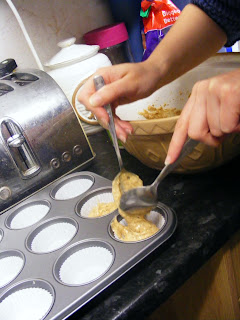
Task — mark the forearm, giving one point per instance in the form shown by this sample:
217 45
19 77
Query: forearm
192 39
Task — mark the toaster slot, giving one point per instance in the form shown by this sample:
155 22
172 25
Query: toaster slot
4 88
20 149
22 79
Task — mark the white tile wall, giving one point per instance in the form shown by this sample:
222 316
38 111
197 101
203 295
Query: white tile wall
47 22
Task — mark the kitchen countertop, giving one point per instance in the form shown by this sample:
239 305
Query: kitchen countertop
208 211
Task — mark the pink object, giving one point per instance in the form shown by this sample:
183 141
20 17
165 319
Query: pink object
107 36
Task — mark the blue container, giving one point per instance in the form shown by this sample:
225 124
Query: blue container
128 11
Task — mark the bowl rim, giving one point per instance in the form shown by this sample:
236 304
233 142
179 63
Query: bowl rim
152 121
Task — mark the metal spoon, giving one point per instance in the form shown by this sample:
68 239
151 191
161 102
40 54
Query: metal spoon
99 83
145 197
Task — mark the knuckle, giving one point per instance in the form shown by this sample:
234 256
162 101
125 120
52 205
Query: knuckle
196 135
200 85
213 85
226 90
196 86
180 125
114 91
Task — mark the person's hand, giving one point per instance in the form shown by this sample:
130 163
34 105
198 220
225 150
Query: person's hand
125 83
193 38
211 112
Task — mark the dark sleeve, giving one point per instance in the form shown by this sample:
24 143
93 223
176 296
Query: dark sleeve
226 13
181 3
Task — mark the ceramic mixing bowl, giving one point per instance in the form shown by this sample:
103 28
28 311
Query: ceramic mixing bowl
150 139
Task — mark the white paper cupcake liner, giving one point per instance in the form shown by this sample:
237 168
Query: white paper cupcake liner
85 265
29 215
9 269
105 197
73 188
156 218
53 237
26 304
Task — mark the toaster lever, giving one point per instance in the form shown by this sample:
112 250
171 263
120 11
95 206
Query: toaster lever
20 149
16 140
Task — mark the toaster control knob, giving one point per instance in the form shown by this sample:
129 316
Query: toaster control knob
5 193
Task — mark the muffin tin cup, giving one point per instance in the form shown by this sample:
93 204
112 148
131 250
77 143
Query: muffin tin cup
51 235
74 256
88 203
11 264
1 234
156 216
72 186
84 262
27 300
28 214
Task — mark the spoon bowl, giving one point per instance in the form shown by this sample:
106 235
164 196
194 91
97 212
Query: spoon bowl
138 198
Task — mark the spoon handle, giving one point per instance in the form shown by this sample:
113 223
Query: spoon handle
99 83
187 148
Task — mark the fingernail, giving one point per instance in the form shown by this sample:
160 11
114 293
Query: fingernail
103 123
167 160
122 138
129 131
95 100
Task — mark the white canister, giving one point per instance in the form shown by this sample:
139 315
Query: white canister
70 68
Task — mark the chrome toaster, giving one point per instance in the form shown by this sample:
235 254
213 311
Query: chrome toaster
41 138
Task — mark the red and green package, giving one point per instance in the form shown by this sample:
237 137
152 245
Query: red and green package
158 16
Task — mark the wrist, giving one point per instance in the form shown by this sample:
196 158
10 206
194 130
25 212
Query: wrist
157 71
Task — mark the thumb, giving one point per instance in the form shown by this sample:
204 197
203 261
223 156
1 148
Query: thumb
109 93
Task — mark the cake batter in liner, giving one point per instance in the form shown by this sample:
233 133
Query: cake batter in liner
84 262
11 264
52 235
85 206
28 214
155 216
27 300
72 187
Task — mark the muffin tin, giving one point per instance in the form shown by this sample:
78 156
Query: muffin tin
54 258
